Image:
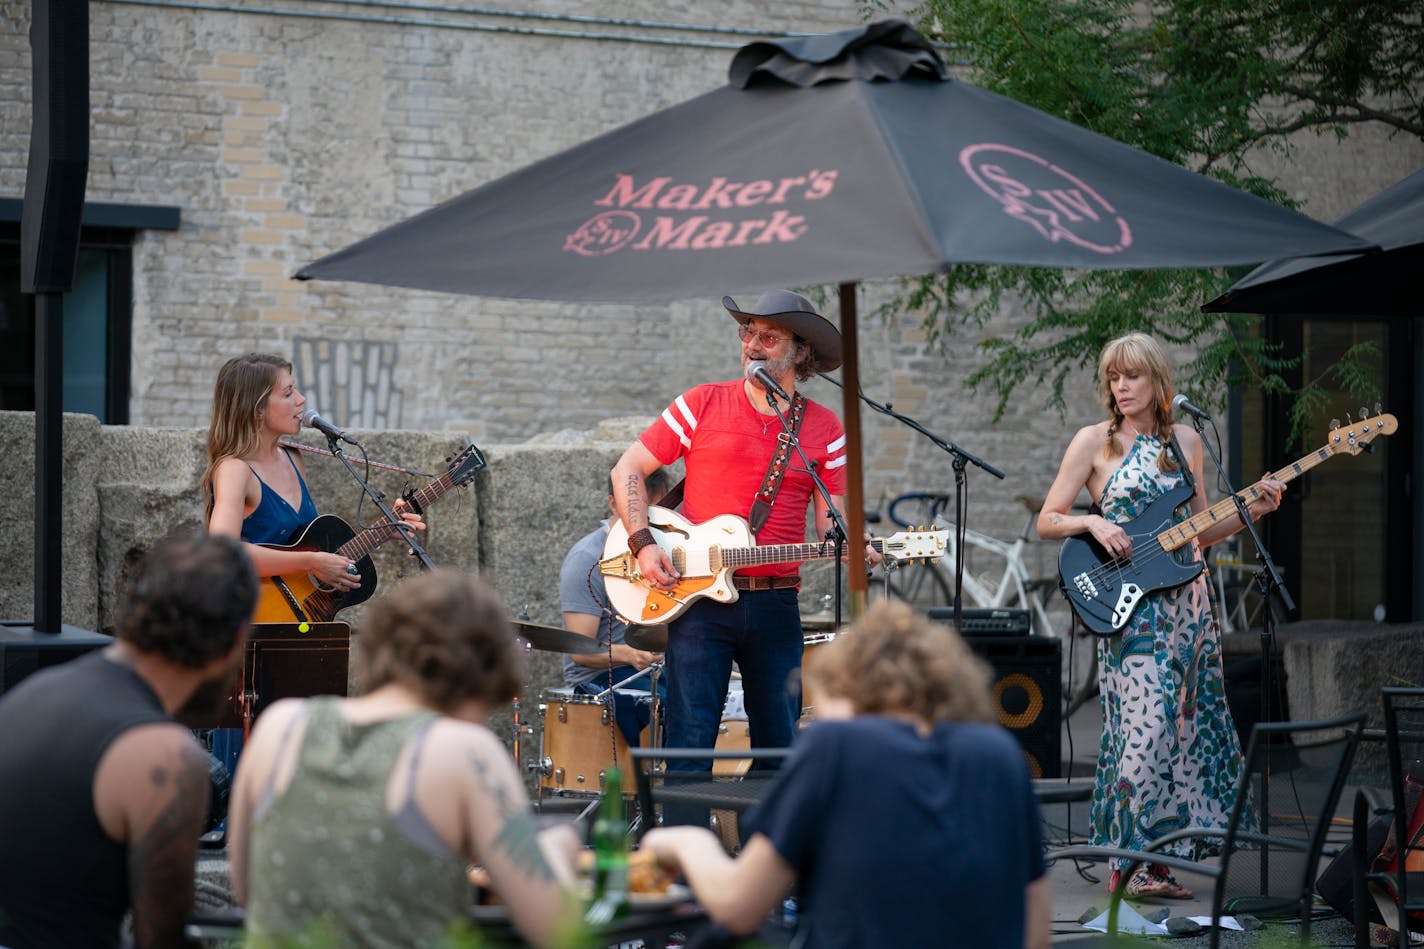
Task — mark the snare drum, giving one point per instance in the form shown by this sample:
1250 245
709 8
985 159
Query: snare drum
574 744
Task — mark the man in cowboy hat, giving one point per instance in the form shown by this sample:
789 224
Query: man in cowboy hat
728 435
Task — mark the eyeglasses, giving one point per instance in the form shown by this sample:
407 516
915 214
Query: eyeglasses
767 338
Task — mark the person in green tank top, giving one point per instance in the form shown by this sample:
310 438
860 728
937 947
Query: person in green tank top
352 821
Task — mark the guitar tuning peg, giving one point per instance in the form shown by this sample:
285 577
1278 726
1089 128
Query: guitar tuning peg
1349 420
1378 409
1364 413
1334 423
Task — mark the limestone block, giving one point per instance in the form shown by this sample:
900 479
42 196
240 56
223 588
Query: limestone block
82 464
1334 667
148 489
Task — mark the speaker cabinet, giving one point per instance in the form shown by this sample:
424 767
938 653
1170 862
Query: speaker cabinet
24 652
1028 695
288 660
59 146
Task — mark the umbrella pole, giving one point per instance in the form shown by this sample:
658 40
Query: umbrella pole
850 413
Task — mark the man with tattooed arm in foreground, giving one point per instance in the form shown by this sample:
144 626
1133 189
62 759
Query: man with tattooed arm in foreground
102 793
353 820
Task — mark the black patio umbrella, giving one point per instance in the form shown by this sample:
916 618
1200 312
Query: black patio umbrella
1387 283
826 159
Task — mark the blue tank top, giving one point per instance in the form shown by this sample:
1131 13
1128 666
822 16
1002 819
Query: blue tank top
274 521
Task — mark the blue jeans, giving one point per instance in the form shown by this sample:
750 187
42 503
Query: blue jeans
631 714
762 632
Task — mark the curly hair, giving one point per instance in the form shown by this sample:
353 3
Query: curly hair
1140 353
446 635
190 600
240 394
895 660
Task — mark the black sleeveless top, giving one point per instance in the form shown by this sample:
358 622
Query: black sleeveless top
63 882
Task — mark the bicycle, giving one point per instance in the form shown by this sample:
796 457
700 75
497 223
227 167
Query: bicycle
1239 603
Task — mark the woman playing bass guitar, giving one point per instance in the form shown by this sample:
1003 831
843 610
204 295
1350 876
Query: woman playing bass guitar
1169 756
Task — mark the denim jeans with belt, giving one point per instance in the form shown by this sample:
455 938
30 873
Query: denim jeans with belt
762 632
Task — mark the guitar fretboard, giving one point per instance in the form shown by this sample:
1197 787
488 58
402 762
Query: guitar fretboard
378 532
1225 509
784 553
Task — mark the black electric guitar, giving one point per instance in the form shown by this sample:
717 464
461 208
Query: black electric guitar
1104 591
298 597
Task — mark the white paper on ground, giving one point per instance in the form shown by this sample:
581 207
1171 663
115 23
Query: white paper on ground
1128 921
1226 922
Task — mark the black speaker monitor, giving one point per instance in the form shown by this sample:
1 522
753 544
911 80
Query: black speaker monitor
1028 695
59 146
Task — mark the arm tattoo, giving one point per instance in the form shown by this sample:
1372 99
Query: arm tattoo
1056 519
635 498
162 857
518 836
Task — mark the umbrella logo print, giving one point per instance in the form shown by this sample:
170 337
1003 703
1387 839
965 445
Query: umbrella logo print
604 233
1057 204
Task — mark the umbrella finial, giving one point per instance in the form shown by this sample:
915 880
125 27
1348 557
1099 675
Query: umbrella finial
886 50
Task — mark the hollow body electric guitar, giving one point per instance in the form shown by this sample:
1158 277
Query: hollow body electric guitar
1104 591
705 555
298 597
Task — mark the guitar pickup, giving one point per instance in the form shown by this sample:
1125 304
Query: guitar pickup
1085 585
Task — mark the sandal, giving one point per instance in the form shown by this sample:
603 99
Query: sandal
1150 882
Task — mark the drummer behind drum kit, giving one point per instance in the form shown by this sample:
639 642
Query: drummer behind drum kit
575 747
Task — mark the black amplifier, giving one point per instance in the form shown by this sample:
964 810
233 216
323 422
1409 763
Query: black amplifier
979 622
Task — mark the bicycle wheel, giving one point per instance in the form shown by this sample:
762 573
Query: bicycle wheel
920 585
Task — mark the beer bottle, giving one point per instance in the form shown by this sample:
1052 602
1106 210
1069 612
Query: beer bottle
610 854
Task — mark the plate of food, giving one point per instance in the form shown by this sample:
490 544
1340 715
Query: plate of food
650 885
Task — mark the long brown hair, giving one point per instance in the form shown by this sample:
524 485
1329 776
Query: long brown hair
239 396
1139 353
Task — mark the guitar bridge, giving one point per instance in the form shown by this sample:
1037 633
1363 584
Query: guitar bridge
1085 585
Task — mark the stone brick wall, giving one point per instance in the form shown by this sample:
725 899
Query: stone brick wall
284 138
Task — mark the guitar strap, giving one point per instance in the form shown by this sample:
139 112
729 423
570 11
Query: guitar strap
771 484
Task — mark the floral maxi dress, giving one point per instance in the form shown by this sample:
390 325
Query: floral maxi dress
1169 757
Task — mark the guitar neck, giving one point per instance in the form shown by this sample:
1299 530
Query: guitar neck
378 532
734 557
1181 534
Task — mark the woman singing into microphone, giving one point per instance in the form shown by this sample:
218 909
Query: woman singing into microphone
255 489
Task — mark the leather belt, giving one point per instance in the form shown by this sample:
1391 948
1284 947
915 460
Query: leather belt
765 583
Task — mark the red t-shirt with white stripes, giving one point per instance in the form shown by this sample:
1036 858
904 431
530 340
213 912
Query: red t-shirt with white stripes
727 446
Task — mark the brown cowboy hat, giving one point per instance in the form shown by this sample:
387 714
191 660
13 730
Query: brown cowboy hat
795 313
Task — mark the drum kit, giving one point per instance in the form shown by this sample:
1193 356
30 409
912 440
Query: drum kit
578 738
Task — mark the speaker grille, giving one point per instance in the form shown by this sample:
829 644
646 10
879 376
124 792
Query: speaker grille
1028 695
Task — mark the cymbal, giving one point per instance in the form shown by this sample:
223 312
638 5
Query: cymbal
648 638
555 639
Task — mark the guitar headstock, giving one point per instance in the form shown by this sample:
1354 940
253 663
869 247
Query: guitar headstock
465 465
1356 436
916 545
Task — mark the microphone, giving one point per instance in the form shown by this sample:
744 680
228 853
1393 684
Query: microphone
1182 404
758 374
311 420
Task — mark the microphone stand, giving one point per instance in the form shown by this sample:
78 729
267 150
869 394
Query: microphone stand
395 519
838 532
1268 580
962 459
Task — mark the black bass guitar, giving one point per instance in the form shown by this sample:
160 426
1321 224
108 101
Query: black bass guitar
1104 590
